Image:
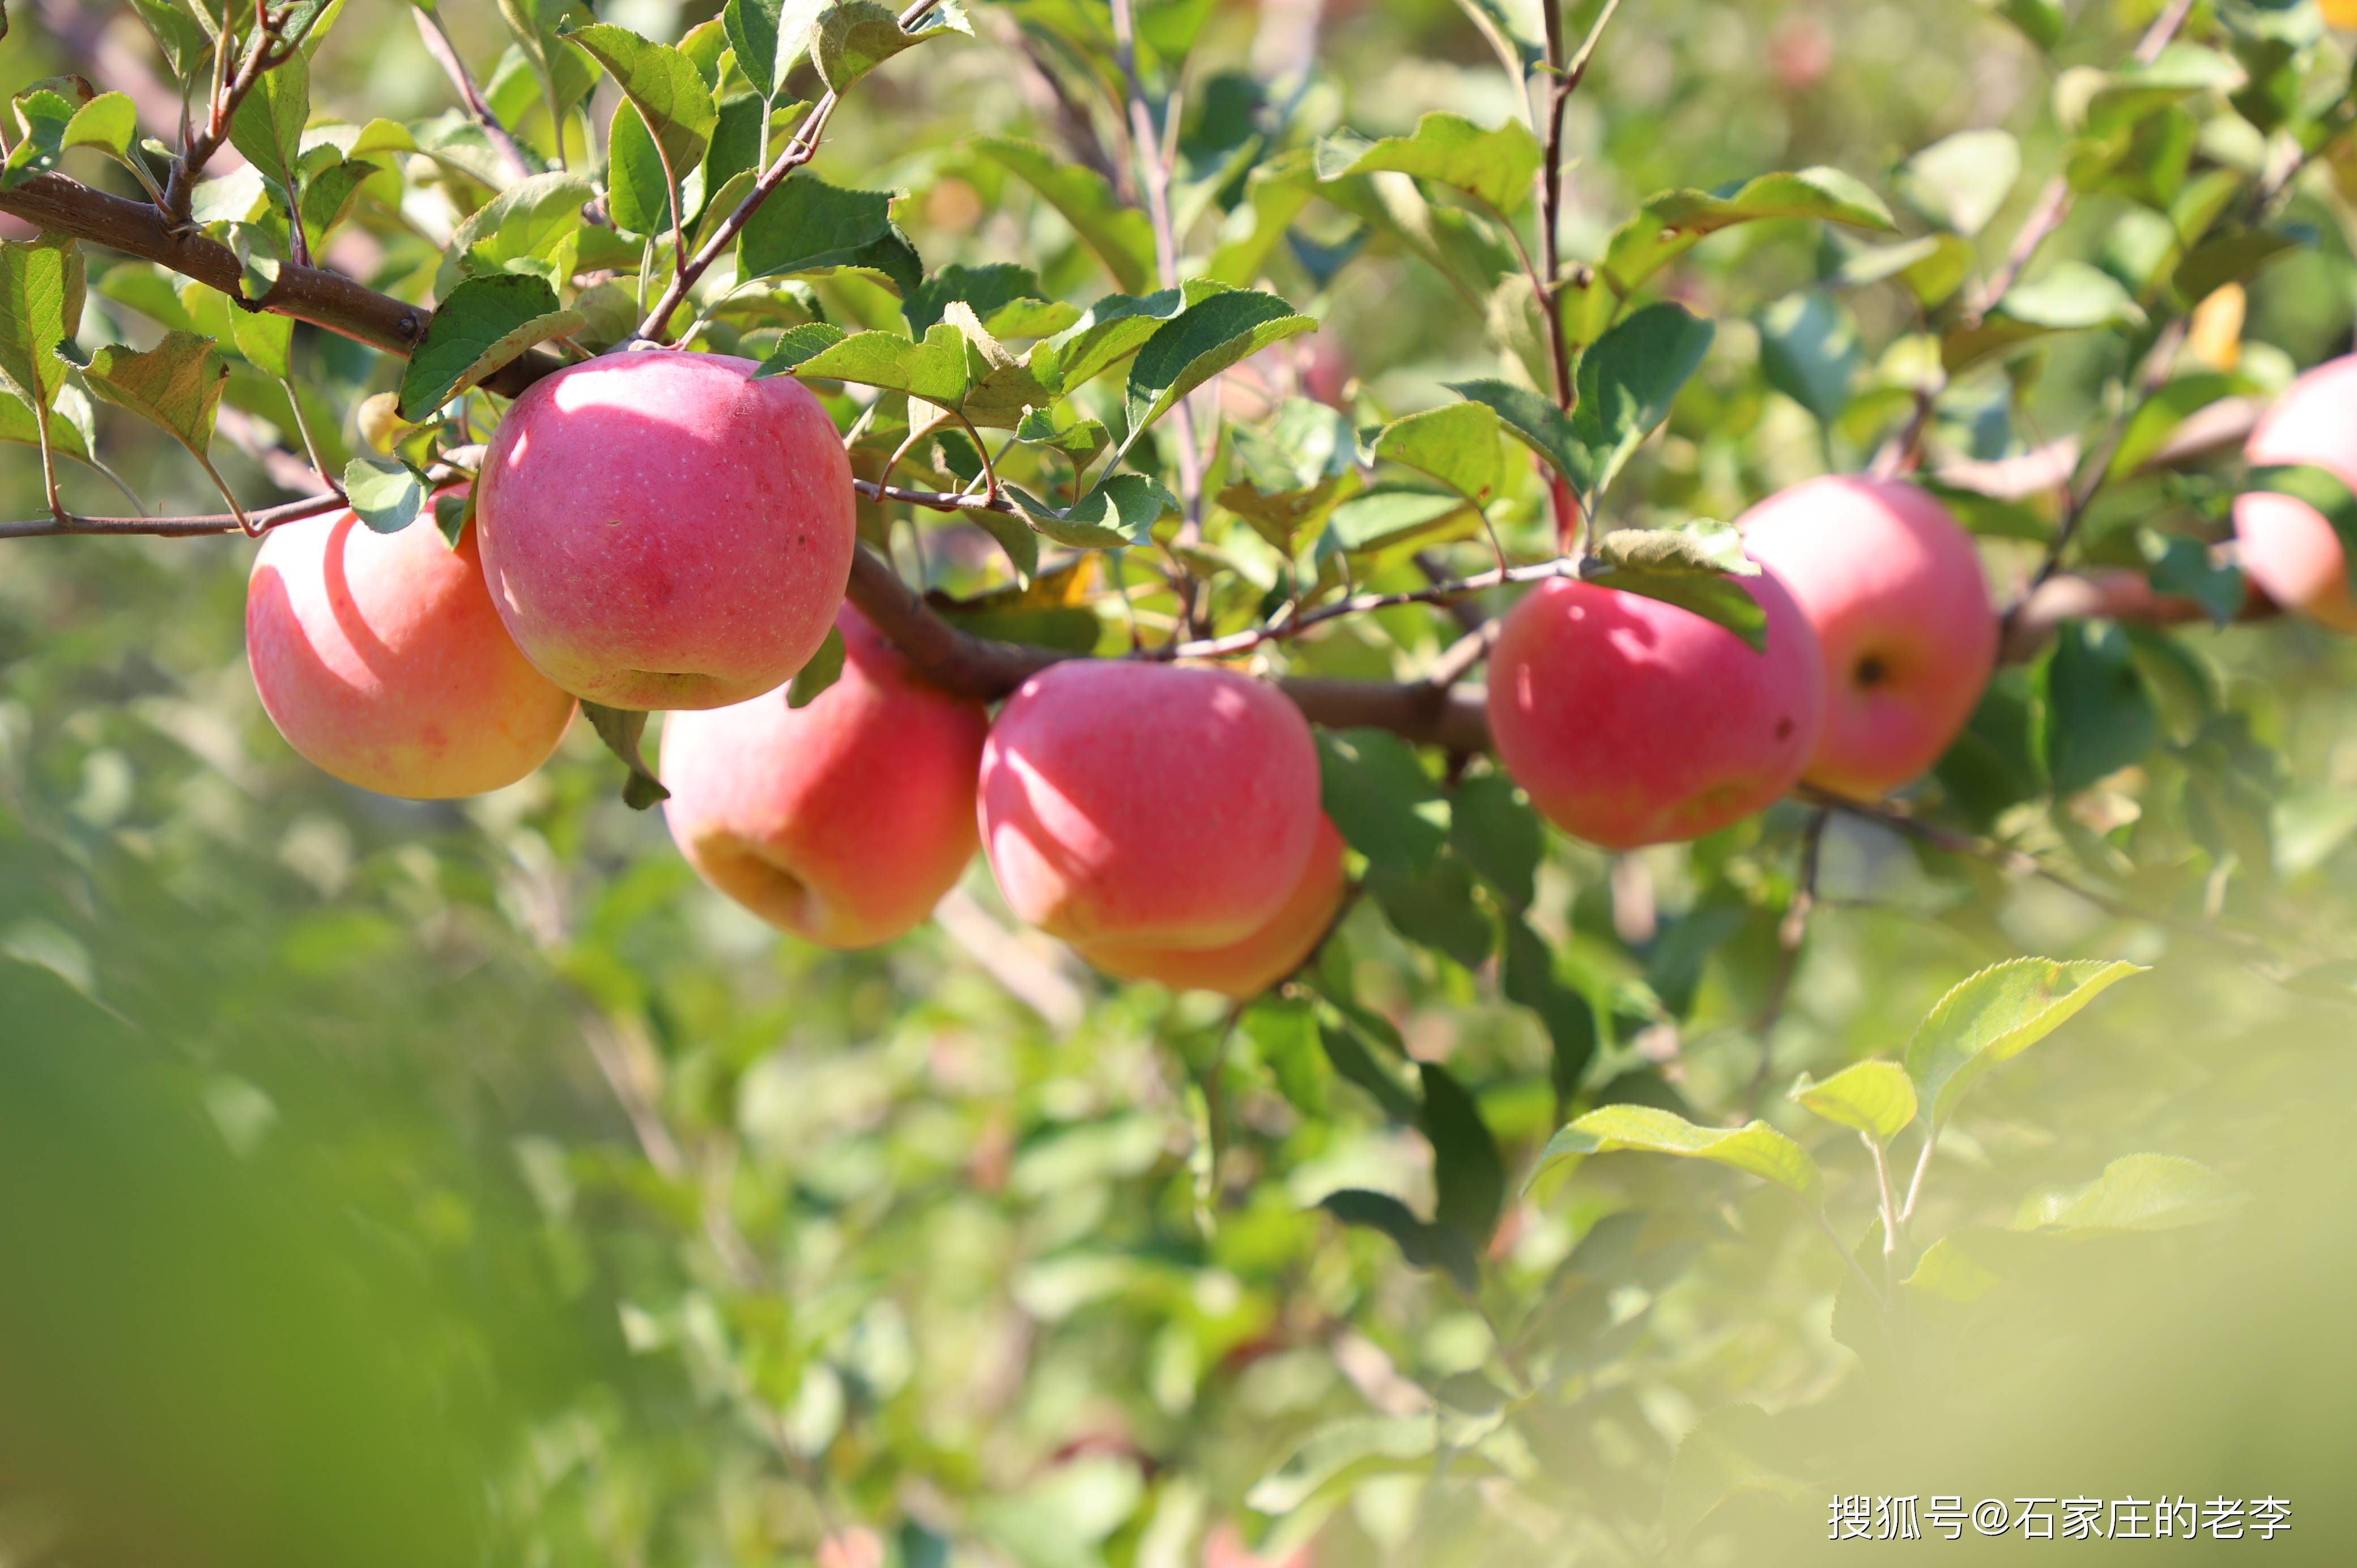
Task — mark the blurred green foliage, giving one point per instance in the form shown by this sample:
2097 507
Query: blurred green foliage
451 1183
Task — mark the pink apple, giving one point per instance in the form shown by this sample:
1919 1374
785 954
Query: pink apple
381 659
843 821
1893 587
1251 964
2287 547
1632 722
661 531
1148 805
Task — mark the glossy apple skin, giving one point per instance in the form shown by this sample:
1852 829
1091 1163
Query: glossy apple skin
381 659
2286 546
1632 722
843 822
1893 585
661 531
1149 806
1251 965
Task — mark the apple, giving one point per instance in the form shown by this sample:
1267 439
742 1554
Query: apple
1892 586
1136 805
1251 964
843 821
380 658
661 531
2286 546
1630 720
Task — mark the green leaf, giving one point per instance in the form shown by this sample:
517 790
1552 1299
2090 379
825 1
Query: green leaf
1114 328
452 514
1121 511
2040 21
2183 566
1961 182
386 492
183 43
1755 1148
990 290
1424 1244
622 729
327 197
1496 167
1528 979
821 673
853 37
1336 1457
1381 799
2232 255
768 37
41 292
1468 1175
107 122
1290 474
1627 380
2098 713
2136 1193
1877 1097
68 424
1537 423
177 384
1457 445
1933 266
1435 910
531 222
935 370
1493 827
1348 1051
1673 223
639 191
265 340
1197 344
42 117
2072 296
1995 1016
2158 417
1949 1273
1692 565
482 325
268 125
1120 236
810 226
1809 350
797 346
663 83
1386 520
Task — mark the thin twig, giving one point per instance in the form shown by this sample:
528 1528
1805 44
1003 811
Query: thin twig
2255 950
1791 933
445 55
230 91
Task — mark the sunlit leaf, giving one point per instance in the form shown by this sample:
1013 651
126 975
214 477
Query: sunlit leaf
485 323
1755 1148
1875 1097
1995 1016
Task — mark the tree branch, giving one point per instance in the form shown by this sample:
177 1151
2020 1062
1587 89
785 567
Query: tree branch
324 298
445 55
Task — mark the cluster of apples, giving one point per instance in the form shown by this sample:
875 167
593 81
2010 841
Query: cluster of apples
660 530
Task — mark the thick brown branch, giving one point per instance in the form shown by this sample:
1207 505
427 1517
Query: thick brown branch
324 298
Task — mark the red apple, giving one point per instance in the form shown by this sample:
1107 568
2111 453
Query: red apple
1251 964
381 659
2287 547
843 821
1148 805
1632 722
1893 588
661 531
